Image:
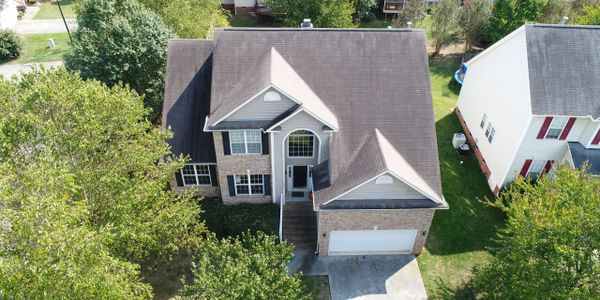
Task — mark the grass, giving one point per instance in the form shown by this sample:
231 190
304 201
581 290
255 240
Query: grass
460 236
317 287
49 10
35 48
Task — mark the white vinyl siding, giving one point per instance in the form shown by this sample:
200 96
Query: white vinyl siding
546 149
245 142
258 109
196 174
589 133
301 120
371 190
497 85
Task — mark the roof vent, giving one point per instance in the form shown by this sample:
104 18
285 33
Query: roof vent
564 20
306 23
408 24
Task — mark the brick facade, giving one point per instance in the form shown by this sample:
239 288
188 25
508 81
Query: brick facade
244 10
370 219
236 164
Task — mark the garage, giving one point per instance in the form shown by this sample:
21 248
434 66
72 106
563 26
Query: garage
355 242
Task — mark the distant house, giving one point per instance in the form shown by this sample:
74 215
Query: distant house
533 100
308 119
244 7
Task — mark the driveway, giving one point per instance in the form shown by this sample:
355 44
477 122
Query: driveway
365 277
13 69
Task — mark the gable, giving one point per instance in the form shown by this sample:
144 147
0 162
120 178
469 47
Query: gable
260 109
382 187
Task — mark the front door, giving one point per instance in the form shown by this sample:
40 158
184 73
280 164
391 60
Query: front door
300 175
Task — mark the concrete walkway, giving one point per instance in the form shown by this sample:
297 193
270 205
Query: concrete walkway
44 26
9 70
365 277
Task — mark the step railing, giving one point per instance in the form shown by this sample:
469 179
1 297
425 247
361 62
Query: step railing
281 204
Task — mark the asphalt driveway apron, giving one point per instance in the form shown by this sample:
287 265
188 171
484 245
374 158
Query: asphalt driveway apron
365 276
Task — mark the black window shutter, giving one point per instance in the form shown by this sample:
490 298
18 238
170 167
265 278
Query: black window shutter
226 148
213 175
231 184
267 184
265 143
179 179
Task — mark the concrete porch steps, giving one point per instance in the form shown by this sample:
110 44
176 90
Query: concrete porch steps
300 225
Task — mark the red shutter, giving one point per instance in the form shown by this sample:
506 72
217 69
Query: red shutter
544 128
596 139
526 166
568 127
548 166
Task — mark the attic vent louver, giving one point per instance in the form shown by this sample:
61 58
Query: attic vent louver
306 23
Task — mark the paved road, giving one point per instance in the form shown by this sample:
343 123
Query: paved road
365 276
44 26
13 69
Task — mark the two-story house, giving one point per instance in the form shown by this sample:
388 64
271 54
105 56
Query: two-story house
333 124
532 100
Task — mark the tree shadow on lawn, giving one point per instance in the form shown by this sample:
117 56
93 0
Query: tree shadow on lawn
469 224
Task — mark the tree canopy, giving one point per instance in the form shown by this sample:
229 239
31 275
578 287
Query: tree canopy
323 13
248 267
508 15
191 19
474 20
444 23
550 246
412 11
591 16
121 41
83 189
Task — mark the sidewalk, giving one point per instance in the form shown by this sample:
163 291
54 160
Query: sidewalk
10 70
44 26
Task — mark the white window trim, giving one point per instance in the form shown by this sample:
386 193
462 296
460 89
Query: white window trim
561 130
302 134
245 143
249 184
196 174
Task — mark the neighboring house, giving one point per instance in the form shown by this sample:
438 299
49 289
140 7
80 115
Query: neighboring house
532 100
244 7
336 126
8 14
396 6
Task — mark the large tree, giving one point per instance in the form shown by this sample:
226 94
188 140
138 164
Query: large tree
591 16
550 247
474 19
117 164
248 267
121 41
323 13
508 15
191 19
444 24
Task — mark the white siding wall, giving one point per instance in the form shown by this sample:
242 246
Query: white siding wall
300 121
497 84
395 190
589 133
245 3
535 149
258 109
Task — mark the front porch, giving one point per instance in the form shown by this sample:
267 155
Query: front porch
299 225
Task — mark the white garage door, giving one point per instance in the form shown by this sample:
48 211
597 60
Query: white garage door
353 242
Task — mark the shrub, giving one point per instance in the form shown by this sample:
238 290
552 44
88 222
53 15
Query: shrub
225 220
10 45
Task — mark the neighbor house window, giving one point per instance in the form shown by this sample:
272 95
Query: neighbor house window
251 184
482 124
245 142
536 169
196 174
301 143
490 131
556 127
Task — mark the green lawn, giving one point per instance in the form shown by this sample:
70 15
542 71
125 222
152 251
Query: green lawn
458 237
35 48
317 287
49 10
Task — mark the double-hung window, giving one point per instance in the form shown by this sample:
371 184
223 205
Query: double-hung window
249 184
556 127
245 142
490 131
536 169
196 174
301 143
